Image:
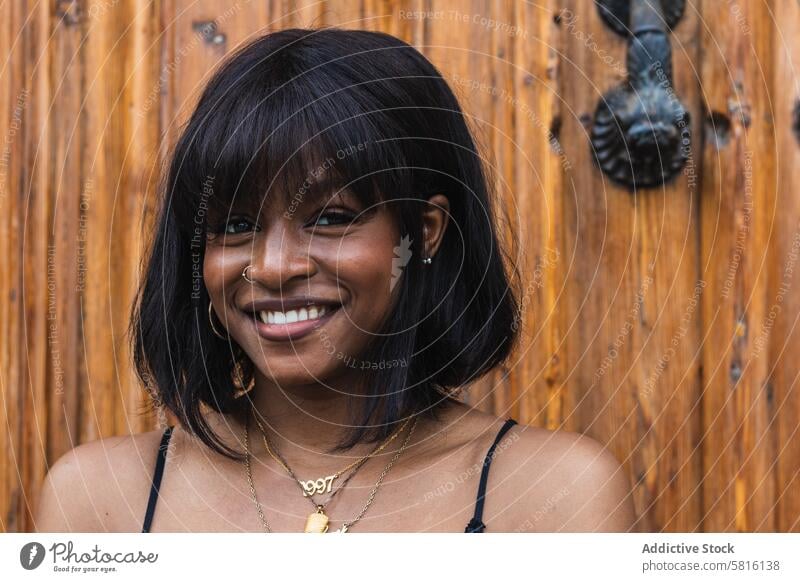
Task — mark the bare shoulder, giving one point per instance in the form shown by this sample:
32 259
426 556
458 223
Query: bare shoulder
99 486
564 481
544 480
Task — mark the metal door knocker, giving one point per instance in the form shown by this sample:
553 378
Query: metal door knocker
641 135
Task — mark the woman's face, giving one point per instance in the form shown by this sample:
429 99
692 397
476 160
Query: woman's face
322 274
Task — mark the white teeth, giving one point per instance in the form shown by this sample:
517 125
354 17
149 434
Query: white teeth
292 316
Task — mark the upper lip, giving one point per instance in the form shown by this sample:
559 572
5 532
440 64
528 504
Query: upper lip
286 303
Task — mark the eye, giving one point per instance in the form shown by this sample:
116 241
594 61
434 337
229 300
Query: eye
334 218
238 225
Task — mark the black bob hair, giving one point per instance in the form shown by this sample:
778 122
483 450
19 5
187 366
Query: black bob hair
274 110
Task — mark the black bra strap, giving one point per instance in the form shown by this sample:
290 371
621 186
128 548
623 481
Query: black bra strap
160 459
476 524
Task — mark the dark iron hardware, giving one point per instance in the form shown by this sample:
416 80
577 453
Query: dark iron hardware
207 30
796 119
617 13
641 135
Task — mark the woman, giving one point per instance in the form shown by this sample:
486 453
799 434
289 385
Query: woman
325 275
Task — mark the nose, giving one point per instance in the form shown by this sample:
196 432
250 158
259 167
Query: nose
279 256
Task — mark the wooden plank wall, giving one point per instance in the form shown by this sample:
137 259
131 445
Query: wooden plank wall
661 323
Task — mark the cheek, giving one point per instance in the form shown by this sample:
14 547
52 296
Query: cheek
218 270
367 268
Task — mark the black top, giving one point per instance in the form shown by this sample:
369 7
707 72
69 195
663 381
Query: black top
475 525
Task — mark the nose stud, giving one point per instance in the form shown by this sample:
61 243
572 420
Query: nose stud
244 274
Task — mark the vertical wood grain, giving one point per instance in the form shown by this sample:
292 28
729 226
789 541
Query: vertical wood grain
780 510
121 79
15 115
35 194
737 214
66 246
535 174
665 370
630 334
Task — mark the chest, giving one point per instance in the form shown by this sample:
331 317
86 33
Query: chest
437 497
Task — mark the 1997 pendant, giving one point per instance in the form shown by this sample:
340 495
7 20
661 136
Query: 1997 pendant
314 486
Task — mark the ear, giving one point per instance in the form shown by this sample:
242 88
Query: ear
434 222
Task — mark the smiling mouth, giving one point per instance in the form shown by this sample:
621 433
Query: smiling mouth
310 313
291 324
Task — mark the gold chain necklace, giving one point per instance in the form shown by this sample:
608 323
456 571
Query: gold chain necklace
323 485
319 508
317 522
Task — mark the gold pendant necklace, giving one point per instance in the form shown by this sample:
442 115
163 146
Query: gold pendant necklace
318 521
324 484
348 524
321 485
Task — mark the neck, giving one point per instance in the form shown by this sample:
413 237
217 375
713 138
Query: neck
303 422
310 417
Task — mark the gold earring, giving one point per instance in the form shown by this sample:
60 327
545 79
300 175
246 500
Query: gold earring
449 392
238 372
213 327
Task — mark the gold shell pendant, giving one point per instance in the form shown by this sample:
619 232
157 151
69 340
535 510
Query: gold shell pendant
317 522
